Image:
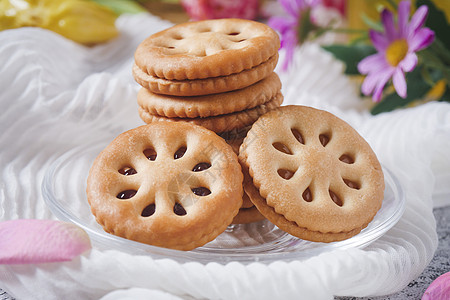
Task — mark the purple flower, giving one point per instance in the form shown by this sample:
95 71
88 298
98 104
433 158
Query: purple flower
397 48
290 26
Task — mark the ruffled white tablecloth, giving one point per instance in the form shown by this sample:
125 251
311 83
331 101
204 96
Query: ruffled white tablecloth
56 95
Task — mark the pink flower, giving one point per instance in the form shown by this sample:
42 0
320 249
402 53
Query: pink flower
40 241
397 48
217 9
295 26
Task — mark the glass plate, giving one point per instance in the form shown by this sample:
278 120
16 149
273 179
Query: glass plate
64 190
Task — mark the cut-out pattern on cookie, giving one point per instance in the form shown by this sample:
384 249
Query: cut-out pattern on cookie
201 191
127 171
336 199
282 147
324 139
150 153
307 195
347 159
285 174
298 136
352 184
179 210
201 167
149 210
127 194
180 152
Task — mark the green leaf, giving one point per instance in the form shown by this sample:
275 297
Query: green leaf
446 96
122 6
417 88
351 55
437 22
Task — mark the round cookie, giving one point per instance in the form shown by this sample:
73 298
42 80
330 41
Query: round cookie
221 123
313 175
210 105
206 86
173 185
204 49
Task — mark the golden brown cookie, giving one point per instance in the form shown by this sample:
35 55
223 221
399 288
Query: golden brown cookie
206 86
210 105
248 212
313 175
173 185
221 123
204 49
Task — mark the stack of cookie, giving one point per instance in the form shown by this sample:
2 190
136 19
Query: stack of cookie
218 74
213 73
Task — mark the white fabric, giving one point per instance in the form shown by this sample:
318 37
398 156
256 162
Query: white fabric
56 95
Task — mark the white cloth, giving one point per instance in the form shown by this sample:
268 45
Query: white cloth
56 95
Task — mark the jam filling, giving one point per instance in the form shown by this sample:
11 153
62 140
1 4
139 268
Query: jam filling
201 191
352 184
126 194
346 159
307 195
298 136
179 210
335 198
286 174
127 171
148 210
150 154
324 139
281 147
180 152
201 167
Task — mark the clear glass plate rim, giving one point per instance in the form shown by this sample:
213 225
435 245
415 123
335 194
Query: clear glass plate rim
106 239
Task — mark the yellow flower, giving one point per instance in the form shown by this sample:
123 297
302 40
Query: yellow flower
82 21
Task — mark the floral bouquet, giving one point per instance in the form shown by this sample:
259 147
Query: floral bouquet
405 60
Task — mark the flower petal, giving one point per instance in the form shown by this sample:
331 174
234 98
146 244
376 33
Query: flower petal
379 40
282 24
409 62
439 288
382 80
371 63
403 17
369 84
39 241
422 39
418 19
399 82
389 26
292 7
288 44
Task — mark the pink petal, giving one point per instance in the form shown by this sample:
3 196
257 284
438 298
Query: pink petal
282 24
409 62
399 83
422 39
382 80
403 17
369 84
40 241
379 40
292 7
439 288
389 26
371 63
289 43
418 19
